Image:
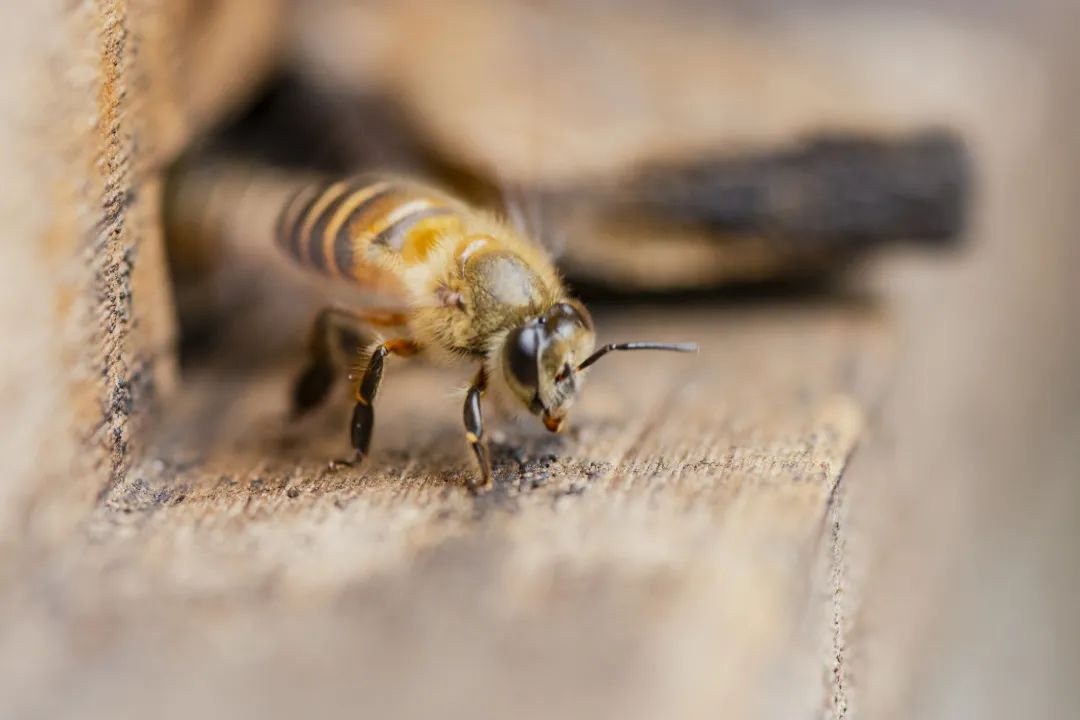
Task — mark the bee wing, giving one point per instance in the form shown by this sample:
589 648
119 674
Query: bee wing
535 213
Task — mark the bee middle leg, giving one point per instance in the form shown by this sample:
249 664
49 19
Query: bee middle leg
363 418
334 330
474 430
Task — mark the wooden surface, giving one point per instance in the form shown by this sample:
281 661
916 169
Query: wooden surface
684 551
567 90
99 97
664 555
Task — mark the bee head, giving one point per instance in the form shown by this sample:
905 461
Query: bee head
543 359
540 360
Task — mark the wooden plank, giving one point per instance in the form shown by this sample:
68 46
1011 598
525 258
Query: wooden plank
566 91
97 100
693 564
661 557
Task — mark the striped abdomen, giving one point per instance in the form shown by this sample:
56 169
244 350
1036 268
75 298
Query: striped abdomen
358 228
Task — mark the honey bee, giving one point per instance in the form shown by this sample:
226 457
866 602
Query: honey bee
467 287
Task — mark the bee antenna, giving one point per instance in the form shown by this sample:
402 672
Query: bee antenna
670 347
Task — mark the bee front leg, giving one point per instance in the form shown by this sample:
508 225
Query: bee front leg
363 417
474 430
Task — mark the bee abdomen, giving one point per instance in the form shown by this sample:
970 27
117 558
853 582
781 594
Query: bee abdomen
339 228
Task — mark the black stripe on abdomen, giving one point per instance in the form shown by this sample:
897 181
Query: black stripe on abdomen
294 239
316 238
289 217
344 243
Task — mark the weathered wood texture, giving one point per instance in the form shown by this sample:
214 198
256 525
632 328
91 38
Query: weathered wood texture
659 558
682 552
99 96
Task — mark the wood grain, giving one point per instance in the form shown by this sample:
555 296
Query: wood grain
697 545
97 99
661 556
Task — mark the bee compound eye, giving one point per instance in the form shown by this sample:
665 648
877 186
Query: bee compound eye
522 348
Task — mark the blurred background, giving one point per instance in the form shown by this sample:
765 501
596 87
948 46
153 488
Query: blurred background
863 500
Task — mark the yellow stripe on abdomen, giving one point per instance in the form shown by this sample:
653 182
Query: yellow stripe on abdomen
337 241
341 228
